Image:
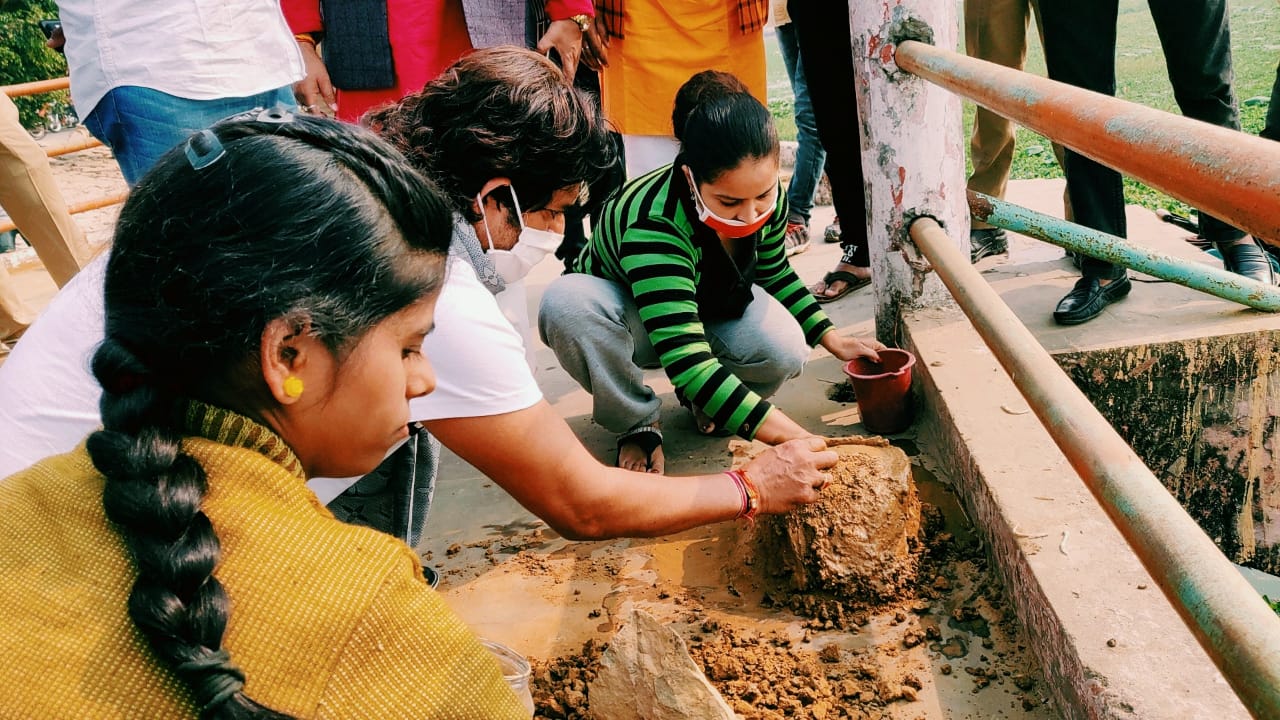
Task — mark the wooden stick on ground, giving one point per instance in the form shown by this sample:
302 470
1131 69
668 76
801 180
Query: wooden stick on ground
867 440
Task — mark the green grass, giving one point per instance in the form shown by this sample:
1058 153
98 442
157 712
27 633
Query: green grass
781 99
1140 75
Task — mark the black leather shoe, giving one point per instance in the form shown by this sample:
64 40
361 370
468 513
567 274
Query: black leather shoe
1088 298
987 242
1248 260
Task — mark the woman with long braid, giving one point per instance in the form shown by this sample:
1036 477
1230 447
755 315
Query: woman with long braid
267 295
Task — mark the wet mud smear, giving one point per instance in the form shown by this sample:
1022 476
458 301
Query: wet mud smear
865 605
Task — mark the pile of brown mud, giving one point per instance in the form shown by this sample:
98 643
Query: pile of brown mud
860 540
886 598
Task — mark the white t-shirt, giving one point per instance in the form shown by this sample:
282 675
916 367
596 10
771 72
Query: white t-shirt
49 398
194 49
479 358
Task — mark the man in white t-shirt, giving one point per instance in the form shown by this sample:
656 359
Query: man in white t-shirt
484 390
510 187
145 75
49 397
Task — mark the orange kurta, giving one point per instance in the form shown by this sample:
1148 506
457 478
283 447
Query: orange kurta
666 42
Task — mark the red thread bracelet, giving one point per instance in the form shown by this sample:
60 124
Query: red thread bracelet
750 496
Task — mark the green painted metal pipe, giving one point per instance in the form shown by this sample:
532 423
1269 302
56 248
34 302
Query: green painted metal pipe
1233 624
1118 251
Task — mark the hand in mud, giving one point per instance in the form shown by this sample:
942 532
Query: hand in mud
791 474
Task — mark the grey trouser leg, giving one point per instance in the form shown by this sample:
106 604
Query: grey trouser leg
595 330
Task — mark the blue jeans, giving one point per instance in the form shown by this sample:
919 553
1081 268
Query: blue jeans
140 124
810 158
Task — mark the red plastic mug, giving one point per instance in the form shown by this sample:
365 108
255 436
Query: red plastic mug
883 390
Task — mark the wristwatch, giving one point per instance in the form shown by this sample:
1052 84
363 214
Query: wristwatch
583 21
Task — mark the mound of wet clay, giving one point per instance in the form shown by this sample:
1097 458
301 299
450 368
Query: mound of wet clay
859 540
864 605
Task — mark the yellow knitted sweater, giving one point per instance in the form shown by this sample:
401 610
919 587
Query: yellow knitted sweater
328 620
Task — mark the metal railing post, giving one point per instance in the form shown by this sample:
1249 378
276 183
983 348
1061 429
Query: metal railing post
52 85
1237 629
1117 250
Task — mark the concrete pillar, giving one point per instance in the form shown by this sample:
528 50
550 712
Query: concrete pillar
912 151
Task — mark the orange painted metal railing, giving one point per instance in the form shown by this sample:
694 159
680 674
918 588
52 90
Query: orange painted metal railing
37 87
1232 176
1224 172
53 85
86 206
89 143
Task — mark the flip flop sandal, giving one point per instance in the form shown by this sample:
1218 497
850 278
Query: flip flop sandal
851 282
714 431
647 437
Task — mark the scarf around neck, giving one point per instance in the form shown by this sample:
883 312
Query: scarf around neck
465 245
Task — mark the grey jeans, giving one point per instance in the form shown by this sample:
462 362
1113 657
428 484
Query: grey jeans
595 330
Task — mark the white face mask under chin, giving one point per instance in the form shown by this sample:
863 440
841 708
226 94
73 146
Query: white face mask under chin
532 246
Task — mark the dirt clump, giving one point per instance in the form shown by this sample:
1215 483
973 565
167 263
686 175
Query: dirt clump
560 684
861 539
764 678
761 677
842 392
937 611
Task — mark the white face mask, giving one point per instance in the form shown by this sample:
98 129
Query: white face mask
532 246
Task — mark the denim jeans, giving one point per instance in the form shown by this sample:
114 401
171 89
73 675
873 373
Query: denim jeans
140 124
810 158
822 31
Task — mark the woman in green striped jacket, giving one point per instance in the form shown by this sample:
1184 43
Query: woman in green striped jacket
686 269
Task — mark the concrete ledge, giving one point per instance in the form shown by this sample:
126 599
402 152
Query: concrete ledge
1111 644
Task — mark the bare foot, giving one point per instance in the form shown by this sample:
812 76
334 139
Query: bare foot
837 286
632 455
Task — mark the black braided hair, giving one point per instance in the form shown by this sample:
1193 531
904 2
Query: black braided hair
500 112
308 219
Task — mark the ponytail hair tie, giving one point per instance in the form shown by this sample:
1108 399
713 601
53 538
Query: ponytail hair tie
219 680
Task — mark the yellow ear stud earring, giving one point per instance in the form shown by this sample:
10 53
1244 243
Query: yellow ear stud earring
293 386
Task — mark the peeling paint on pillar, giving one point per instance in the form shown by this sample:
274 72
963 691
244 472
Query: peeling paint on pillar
912 150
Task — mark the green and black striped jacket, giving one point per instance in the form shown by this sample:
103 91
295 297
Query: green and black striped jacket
650 240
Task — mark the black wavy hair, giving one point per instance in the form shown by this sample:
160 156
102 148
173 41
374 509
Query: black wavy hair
500 112
308 219
719 123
